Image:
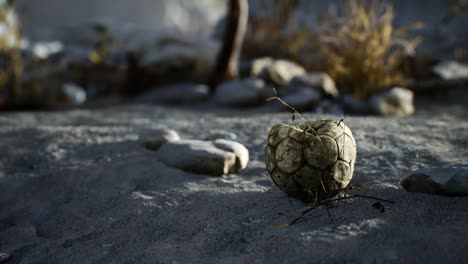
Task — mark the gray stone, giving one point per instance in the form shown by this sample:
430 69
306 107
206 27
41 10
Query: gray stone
202 157
451 70
450 181
246 92
44 50
221 134
159 137
4 257
241 152
319 81
74 94
259 67
181 93
303 98
280 72
394 102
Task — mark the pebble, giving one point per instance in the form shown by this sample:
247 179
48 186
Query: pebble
451 70
396 102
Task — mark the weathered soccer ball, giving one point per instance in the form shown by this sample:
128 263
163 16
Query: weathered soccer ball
311 161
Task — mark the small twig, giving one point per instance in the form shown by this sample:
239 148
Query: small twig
327 202
288 106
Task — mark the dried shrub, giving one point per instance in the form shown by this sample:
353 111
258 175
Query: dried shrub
455 7
266 33
11 66
361 49
356 44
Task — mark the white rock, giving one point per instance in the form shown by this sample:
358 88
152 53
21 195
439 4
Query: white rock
319 81
451 70
74 93
394 102
281 72
241 152
201 157
451 181
176 94
44 50
260 66
159 137
246 92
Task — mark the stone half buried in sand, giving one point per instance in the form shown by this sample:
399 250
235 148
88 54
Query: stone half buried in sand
449 180
214 158
311 161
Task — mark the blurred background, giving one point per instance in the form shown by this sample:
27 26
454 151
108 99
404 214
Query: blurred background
38 17
60 53
185 15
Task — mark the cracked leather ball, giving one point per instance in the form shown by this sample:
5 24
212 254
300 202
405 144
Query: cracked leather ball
311 161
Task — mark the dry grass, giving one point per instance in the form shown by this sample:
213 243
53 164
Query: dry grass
11 66
361 49
266 34
357 44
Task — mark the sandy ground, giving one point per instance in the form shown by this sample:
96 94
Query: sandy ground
78 187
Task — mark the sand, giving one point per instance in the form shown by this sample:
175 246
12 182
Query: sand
78 187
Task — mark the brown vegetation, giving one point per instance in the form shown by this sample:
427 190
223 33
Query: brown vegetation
361 49
357 45
11 67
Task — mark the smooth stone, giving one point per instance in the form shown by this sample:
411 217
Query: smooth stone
450 181
199 157
74 93
241 152
176 94
281 72
319 81
303 98
221 134
259 66
44 50
394 102
451 70
159 137
4 257
241 93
